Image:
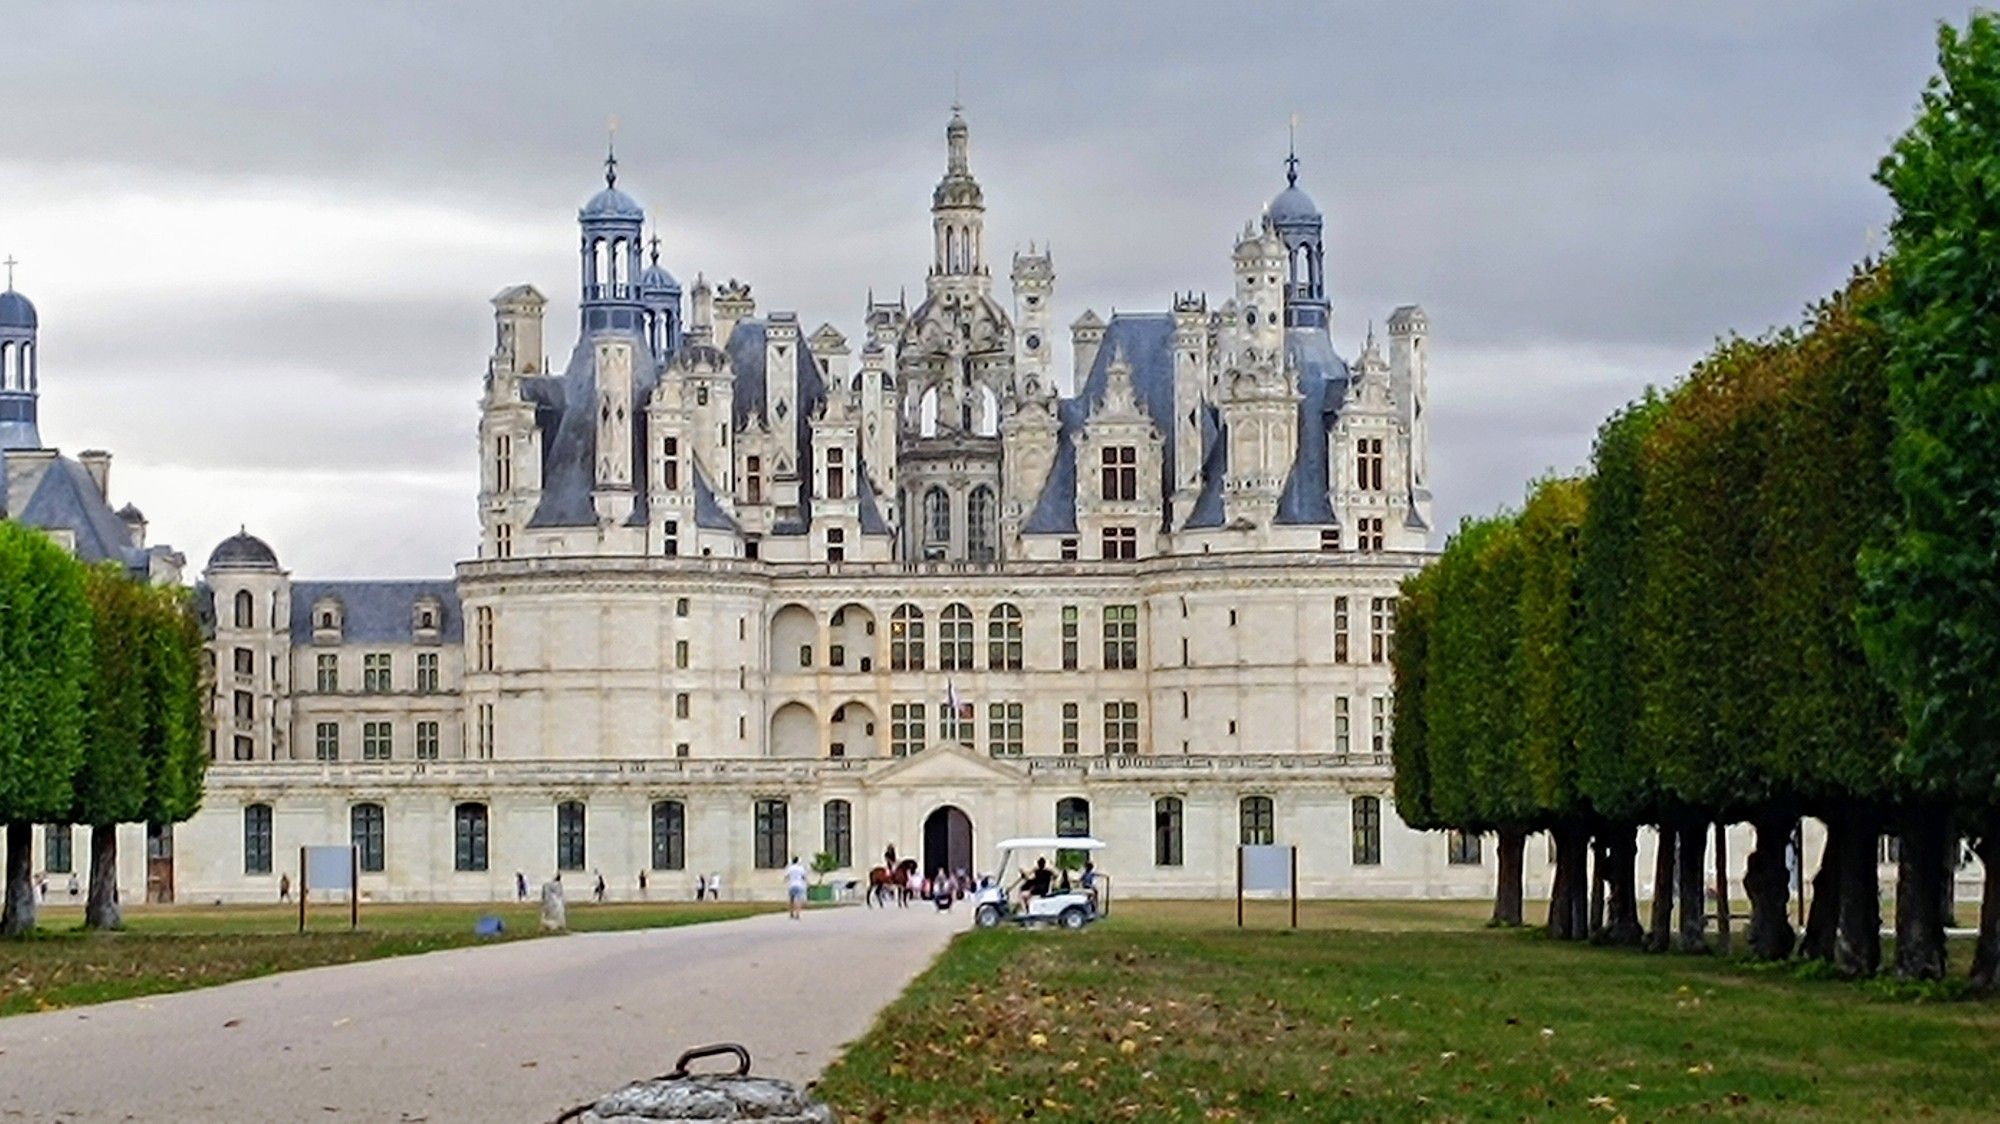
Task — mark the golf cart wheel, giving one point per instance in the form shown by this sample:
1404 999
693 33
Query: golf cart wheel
987 917
1074 917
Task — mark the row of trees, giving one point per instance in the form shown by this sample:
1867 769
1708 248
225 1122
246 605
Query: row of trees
1774 594
102 711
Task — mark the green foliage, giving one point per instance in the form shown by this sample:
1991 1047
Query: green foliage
110 783
177 719
1551 528
1473 697
1408 737
44 665
1611 572
1931 613
824 863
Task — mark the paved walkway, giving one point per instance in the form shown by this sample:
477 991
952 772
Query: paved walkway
516 1031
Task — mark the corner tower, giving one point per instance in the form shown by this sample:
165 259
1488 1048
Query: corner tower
611 224
1296 220
20 379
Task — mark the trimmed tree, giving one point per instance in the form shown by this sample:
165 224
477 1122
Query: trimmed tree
110 783
1409 662
177 714
44 666
1930 616
1550 528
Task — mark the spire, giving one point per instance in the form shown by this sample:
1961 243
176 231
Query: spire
1292 153
957 163
10 263
654 243
611 154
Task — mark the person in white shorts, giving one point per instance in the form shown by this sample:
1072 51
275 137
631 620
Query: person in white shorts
795 887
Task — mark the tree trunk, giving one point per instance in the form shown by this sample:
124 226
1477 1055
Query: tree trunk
1579 889
1693 886
1919 918
1986 953
1823 919
1722 887
1769 886
1857 950
17 916
1661 937
1569 913
1513 842
1948 889
1598 865
1621 891
100 909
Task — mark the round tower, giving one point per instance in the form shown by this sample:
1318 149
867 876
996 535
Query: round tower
611 224
20 379
660 296
1295 219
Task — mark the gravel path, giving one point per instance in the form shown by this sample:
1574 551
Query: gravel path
516 1031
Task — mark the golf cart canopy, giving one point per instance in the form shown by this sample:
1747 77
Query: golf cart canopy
1053 843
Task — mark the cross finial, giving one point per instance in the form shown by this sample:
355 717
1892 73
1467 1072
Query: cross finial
10 263
1292 153
655 243
611 154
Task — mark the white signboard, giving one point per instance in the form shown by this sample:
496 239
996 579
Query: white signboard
330 868
1267 867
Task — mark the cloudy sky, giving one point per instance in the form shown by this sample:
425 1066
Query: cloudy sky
262 237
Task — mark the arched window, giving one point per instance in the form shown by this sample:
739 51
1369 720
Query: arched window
1167 815
1461 848
979 524
257 839
1367 831
364 822
837 835
1072 817
1259 821
468 830
955 638
773 835
570 854
937 517
1003 638
906 638
246 609
669 835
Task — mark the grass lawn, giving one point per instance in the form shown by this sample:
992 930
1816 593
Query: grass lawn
1395 1011
172 948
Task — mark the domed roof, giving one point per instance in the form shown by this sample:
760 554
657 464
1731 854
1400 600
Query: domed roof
16 311
1293 206
243 551
655 279
612 203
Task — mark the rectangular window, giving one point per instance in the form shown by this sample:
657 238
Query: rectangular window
365 829
1461 848
483 637
1367 831
955 724
257 839
1381 629
503 463
753 479
327 672
1369 533
58 853
1378 724
836 545
427 673
375 673
836 474
682 705
669 835
1121 728
906 639
1340 626
773 835
1368 464
246 707
1068 551
681 606
427 741
469 837
670 464
1119 544
670 538
1120 476
503 540
1069 637
1342 738
1121 637
571 853
246 747
906 728
374 741
1004 729
1168 847
680 653
1258 821
246 664
486 731
837 832
1071 728
326 741
1329 538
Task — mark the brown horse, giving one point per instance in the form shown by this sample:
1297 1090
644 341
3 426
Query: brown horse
898 881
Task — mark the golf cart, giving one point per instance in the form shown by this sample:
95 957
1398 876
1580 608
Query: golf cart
996 900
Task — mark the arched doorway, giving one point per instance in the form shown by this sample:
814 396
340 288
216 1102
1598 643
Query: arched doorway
948 840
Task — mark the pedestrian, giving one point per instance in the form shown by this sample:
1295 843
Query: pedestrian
597 891
284 887
520 886
795 887
42 886
700 886
642 883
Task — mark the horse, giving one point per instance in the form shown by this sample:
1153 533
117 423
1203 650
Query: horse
883 881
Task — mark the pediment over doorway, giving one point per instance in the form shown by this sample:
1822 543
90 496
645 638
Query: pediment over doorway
943 766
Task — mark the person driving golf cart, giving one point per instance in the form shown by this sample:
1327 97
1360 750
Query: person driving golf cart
1038 882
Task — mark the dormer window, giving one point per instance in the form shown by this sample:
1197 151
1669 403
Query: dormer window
327 618
426 616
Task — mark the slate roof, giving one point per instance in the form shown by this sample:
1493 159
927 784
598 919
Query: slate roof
59 494
378 612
